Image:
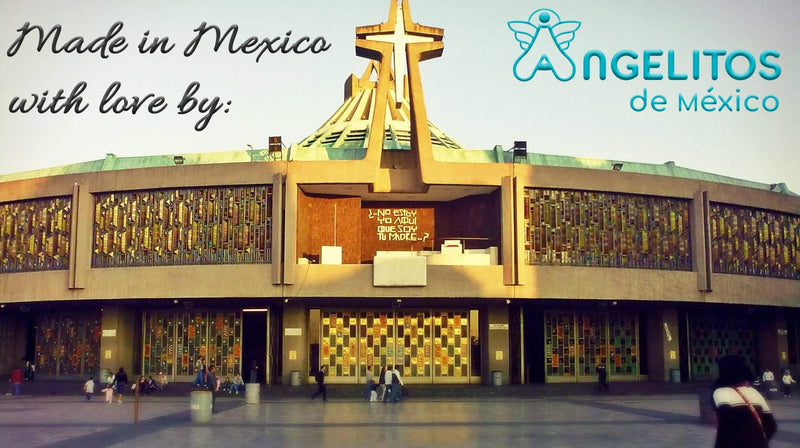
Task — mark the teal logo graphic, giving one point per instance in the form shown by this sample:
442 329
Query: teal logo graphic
544 39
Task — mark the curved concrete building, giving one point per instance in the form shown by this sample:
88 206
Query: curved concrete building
381 240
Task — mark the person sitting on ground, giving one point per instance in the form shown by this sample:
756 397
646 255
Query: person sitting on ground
226 385
150 385
162 380
237 385
141 385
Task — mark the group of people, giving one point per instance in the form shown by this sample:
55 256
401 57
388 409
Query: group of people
18 376
233 386
768 384
150 385
117 383
389 388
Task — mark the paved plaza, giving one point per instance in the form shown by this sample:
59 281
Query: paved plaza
579 420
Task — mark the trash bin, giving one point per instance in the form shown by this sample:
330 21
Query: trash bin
252 393
295 378
675 375
201 406
497 378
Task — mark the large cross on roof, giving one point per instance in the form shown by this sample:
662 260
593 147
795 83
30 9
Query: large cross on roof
399 38
401 43
401 33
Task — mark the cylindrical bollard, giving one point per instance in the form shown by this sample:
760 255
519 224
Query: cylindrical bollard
252 393
295 378
497 378
201 406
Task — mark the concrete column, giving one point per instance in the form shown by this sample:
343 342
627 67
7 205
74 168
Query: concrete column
773 343
508 249
295 342
289 231
494 330
662 344
277 261
701 255
116 344
80 255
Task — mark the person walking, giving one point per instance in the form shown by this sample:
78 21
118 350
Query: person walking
602 378
787 381
121 382
370 380
110 380
381 383
320 378
213 385
388 381
88 388
16 381
397 385
109 391
744 418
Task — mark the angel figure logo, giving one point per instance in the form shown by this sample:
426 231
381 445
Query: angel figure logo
544 37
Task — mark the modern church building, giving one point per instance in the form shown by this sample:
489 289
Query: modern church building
379 239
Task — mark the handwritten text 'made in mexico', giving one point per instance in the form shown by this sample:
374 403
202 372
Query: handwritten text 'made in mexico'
113 42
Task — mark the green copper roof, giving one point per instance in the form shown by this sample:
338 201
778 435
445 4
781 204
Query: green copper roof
344 137
496 155
349 126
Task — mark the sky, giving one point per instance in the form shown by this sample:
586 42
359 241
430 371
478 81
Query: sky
471 91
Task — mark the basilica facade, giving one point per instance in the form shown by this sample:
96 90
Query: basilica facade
380 240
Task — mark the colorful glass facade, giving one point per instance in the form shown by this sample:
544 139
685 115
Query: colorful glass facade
34 235
713 335
68 344
586 228
174 340
210 225
749 241
576 342
425 343
373 340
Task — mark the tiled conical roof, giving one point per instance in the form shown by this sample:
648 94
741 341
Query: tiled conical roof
348 127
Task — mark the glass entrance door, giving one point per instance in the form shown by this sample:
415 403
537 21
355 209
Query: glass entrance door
172 341
338 336
577 342
427 345
451 345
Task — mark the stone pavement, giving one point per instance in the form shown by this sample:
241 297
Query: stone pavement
285 417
